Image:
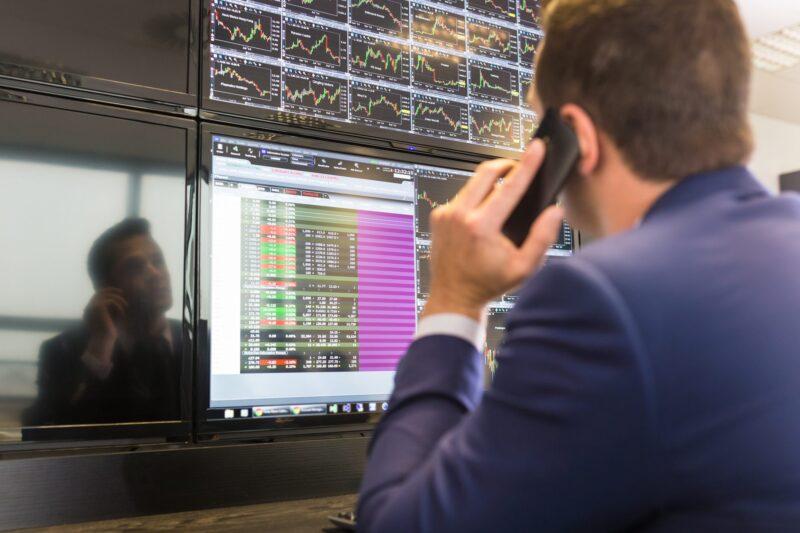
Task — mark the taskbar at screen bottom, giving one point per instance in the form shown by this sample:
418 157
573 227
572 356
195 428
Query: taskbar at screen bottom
303 410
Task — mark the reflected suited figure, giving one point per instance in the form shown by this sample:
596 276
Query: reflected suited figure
123 363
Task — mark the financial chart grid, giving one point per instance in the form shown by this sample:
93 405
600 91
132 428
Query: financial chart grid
457 70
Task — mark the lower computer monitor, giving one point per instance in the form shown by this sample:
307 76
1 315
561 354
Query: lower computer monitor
316 267
97 267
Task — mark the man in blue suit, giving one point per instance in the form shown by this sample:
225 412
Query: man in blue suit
650 383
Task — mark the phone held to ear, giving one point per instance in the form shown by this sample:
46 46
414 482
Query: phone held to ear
562 154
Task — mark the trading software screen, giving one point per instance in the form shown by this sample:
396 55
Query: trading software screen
453 69
319 266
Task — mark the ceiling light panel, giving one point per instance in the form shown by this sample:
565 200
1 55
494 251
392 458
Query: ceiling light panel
778 51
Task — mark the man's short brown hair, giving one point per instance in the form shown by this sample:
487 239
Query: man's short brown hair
667 80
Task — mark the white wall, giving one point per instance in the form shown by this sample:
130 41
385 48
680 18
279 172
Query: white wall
777 149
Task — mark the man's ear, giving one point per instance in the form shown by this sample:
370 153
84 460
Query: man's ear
588 138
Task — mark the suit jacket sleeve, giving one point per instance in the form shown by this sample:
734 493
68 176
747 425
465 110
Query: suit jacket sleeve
68 392
57 381
564 438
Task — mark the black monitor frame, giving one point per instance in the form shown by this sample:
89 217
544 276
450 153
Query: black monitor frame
69 84
241 429
790 182
298 124
127 434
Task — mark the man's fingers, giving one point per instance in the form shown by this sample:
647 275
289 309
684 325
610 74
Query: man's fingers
111 294
504 199
482 183
544 233
116 306
110 290
116 299
111 304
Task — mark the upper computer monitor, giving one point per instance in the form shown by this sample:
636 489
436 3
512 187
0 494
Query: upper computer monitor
144 50
452 74
317 268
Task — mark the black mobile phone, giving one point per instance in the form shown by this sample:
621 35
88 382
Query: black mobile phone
560 159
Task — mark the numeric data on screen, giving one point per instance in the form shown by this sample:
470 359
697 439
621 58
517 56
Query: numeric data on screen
452 70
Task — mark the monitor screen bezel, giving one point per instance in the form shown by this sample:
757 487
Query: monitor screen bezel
212 429
105 435
789 182
292 123
81 85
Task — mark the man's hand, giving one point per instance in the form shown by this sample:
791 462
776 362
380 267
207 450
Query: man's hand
105 310
472 262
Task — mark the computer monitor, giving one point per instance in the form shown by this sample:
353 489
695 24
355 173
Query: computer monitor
95 201
316 269
452 74
144 50
790 182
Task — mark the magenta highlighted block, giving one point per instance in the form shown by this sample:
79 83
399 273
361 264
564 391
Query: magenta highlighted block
387 291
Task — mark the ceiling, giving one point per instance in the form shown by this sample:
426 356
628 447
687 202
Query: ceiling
775 95
766 16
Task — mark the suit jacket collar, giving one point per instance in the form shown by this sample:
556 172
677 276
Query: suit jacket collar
699 187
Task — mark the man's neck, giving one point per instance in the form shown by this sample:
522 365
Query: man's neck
621 196
629 200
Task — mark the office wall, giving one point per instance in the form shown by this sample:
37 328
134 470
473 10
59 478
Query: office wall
777 149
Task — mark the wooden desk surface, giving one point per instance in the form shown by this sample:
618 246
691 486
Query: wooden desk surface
299 516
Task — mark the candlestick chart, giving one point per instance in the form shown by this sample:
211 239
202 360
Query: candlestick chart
434 190
492 40
528 43
423 270
495 125
315 92
502 9
493 82
247 29
439 116
530 13
372 104
388 16
248 80
528 126
439 72
330 9
525 84
438 27
379 59
315 44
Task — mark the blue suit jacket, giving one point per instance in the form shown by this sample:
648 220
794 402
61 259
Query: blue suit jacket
652 382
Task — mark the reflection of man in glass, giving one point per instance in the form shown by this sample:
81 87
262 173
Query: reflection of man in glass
123 364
